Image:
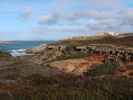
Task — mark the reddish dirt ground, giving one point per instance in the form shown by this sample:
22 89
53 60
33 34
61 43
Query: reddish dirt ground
126 70
78 66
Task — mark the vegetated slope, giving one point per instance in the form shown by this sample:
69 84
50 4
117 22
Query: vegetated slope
4 55
123 41
27 80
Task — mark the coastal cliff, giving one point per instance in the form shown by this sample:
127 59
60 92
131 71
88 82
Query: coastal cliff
70 55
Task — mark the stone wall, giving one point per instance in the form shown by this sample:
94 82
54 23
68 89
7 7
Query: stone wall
54 52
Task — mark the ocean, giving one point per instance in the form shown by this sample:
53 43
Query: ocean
17 48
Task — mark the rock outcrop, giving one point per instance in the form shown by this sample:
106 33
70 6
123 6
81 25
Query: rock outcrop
50 53
46 53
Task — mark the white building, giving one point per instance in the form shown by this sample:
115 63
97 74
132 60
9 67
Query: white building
107 33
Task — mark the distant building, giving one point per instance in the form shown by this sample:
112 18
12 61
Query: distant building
107 33
125 35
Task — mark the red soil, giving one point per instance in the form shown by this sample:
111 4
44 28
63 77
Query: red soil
126 70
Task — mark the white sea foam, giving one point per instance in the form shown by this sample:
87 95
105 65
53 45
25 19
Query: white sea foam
18 52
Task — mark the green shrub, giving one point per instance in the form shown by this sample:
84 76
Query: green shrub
71 53
75 55
109 88
4 55
102 69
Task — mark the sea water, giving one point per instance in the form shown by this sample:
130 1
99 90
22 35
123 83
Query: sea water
18 48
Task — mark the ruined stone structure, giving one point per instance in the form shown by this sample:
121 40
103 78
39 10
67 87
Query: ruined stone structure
117 54
112 53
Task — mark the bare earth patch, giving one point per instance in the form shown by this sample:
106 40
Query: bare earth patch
77 66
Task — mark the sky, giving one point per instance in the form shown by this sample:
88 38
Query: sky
58 19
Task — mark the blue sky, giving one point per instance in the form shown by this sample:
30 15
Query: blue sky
57 19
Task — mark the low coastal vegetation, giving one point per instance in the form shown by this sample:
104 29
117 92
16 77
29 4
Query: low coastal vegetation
107 39
103 69
50 72
4 55
70 53
119 88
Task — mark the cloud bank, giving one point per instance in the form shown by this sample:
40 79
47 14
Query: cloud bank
101 15
66 16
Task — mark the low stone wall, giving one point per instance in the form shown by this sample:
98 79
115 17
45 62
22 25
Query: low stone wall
53 52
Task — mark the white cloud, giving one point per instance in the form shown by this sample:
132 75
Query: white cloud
102 15
26 12
96 20
46 29
49 19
